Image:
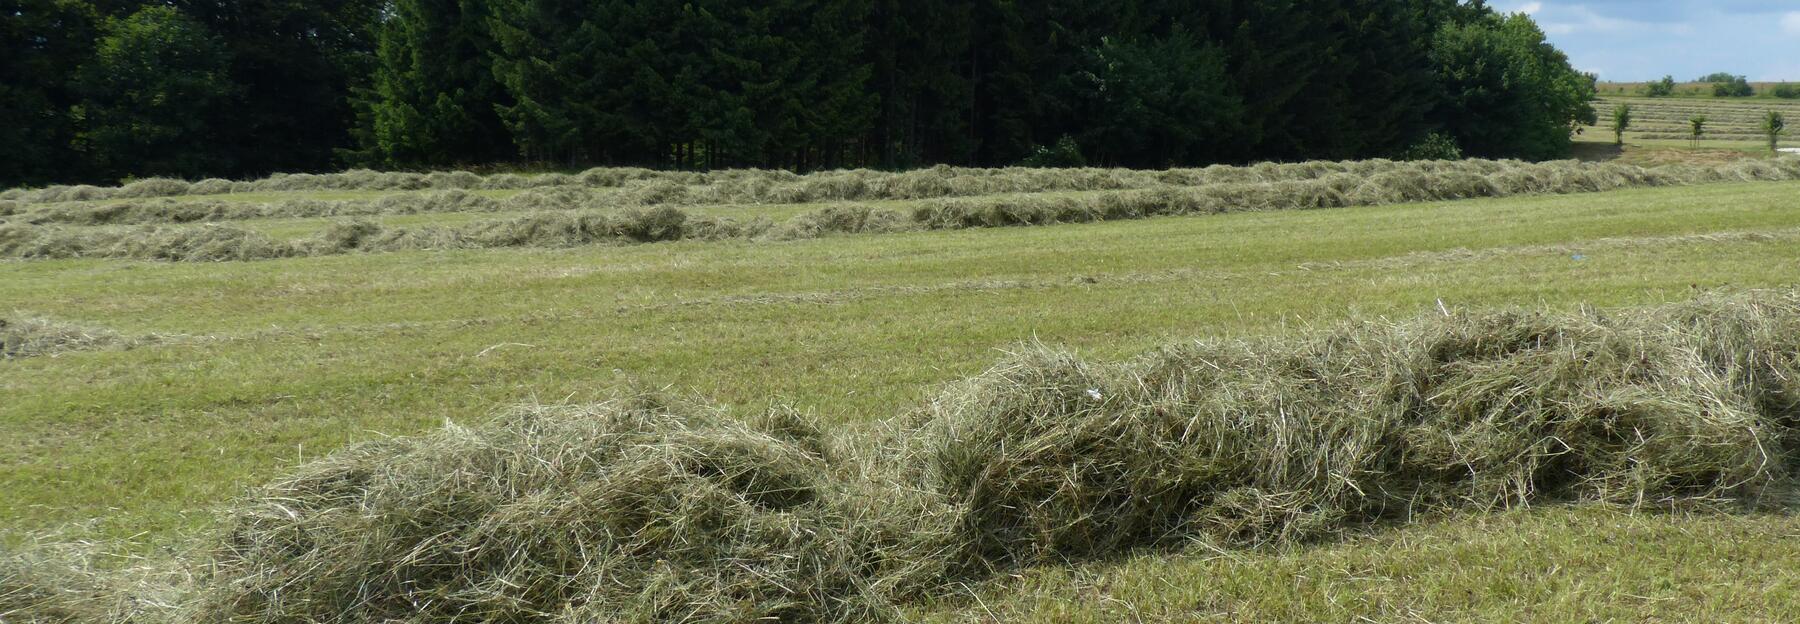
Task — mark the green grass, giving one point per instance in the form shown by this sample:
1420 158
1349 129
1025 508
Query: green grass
1546 565
264 364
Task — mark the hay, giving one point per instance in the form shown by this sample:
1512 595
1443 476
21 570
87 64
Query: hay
153 187
1053 458
35 589
845 219
644 187
646 209
50 579
638 510
23 336
598 206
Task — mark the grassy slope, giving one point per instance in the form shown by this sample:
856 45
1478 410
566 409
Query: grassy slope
269 362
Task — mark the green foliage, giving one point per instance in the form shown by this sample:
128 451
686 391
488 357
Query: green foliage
1697 126
1717 77
1661 88
1787 91
916 50
1773 125
1168 99
1435 146
157 81
287 70
700 85
1509 92
434 97
1737 86
1065 154
296 63
42 42
1621 121
800 84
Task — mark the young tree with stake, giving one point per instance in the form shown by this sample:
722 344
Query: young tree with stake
1773 125
1621 122
1698 123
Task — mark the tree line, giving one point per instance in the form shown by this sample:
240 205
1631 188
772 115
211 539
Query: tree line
107 89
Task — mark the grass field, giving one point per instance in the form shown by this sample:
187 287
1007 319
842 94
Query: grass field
238 370
1732 123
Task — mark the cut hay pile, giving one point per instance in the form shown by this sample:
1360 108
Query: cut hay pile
648 509
36 590
1052 457
28 336
633 511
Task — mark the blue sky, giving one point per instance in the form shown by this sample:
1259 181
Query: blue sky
1632 40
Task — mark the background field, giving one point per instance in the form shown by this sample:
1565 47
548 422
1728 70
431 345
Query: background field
1732 123
243 368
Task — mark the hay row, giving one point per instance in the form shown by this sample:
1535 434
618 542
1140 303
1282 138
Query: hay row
1223 181
764 186
653 509
667 223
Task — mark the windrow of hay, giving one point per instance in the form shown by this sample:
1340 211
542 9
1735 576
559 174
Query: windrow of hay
24 336
742 185
643 187
562 225
207 243
640 510
651 509
216 243
164 211
1048 457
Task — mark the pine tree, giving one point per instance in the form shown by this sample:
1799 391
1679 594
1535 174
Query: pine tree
434 97
918 51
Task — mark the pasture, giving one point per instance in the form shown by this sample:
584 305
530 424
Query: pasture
158 382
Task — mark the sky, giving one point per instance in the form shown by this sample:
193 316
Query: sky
1636 40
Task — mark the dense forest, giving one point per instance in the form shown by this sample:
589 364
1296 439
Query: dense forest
102 90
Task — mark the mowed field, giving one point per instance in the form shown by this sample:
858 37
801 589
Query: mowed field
226 373
1730 122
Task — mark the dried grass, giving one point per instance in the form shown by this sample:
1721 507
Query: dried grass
639 510
1050 457
645 187
24 336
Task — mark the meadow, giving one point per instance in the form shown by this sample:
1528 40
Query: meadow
1731 123
796 329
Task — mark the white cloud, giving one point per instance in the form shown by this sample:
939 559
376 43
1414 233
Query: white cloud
1581 19
1531 8
1790 23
